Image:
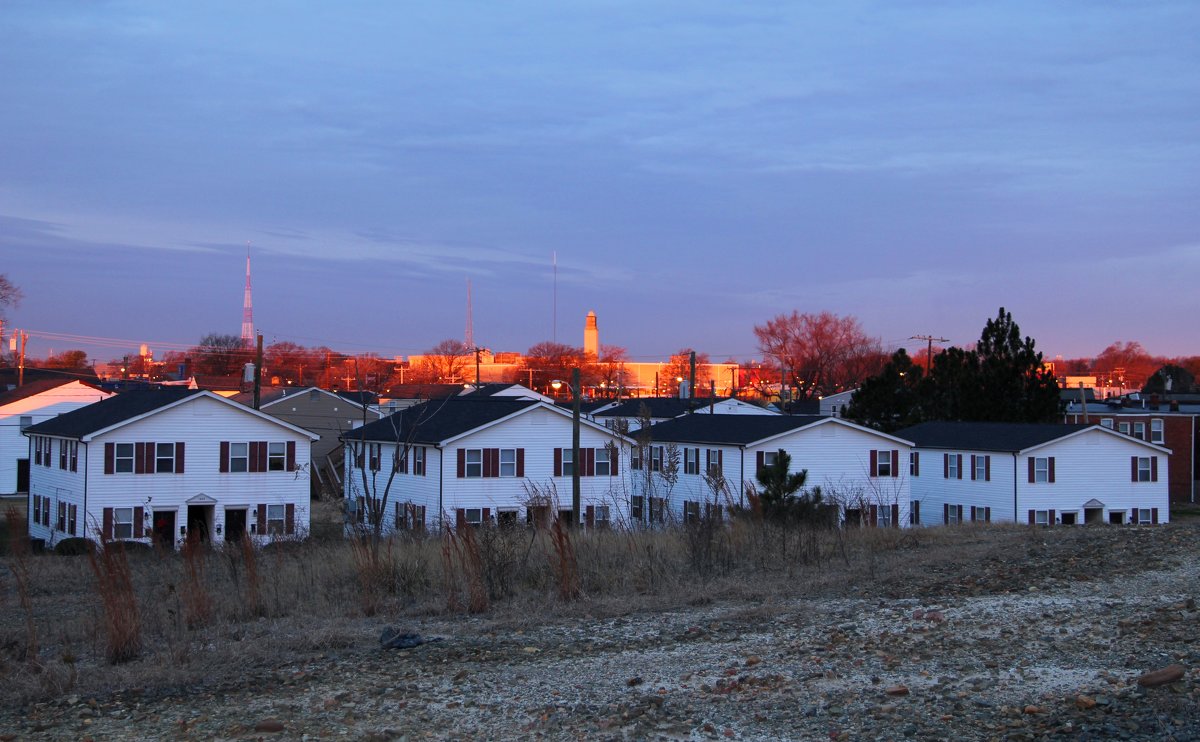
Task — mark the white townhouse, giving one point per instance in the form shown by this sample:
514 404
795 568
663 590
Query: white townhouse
28 405
168 464
475 460
1043 474
860 470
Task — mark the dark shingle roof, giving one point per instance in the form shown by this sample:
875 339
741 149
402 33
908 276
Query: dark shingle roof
1009 437
659 407
359 398
738 430
423 391
438 420
108 412
28 390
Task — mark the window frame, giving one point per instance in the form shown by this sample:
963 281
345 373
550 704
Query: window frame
477 520
61 519
769 458
635 458
601 516
715 465
243 457
1106 422
123 462
162 459
952 466
277 456
656 458
281 528
883 516
1158 431
637 506
507 463
952 515
118 524
418 461
1144 469
981 468
1123 427
1139 430
1145 516
691 461
1041 469
883 463
475 465
603 462
1041 517
568 462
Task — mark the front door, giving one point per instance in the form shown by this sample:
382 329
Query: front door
199 524
164 529
235 524
22 475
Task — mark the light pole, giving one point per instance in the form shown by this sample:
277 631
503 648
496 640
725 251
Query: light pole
575 410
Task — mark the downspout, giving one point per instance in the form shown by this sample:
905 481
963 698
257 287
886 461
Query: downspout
86 448
742 479
1015 512
441 506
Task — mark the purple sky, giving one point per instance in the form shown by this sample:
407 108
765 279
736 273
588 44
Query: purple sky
697 166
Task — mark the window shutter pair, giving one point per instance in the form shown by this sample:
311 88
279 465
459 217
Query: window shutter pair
258 456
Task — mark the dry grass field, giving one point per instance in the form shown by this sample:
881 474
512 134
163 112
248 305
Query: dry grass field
158 625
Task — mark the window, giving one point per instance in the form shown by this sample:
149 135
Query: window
72 514
657 508
473 516
419 461
1145 515
410 517
1139 431
1143 469
41 451
601 516
124 458
883 463
1041 517
656 458
715 461
399 461
374 456
1123 427
122 523
952 466
37 509
604 463
46 511
26 421
62 516
1041 470
981 468
635 459
473 464
62 455
691 512
1156 431
914 464
884 516
74 455
914 513
275 519
164 458
691 460
1106 423
277 456
952 512
239 457
769 458
568 463
508 462
636 504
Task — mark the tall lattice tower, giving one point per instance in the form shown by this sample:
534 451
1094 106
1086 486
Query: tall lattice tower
247 307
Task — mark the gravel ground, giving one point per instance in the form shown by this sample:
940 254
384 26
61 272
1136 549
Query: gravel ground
1045 644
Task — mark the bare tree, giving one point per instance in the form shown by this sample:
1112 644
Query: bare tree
445 362
821 354
10 295
680 367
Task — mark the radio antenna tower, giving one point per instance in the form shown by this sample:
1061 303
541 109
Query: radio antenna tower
247 307
469 338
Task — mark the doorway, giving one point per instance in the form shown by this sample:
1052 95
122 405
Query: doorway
1116 517
235 524
22 475
199 522
1093 516
853 518
1068 518
164 529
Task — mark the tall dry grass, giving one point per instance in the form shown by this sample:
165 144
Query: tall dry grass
114 584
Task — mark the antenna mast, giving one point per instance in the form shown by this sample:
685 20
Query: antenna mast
554 312
469 338
247 308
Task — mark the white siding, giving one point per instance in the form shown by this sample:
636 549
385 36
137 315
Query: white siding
59 486
933 490
40 407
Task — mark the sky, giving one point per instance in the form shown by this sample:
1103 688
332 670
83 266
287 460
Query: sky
691 168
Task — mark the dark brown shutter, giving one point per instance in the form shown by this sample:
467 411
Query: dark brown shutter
987 514
462 463
485 462
960 513
291 455
179 457
959 462
1051 460
110 458
1050 519
289 523
707 458
558 462
252 456
520 462
262 455
895 462
139 528
874 516
460 517
1154 516
758 462
945 466
224 456
987 468
1032 517
874 463
895 515
1133 516
1133 468
972 513
612 459
1031 472
591 457
916 463
487 513
139 458
108 523
590 516
945 513
1153 468
972 472
262 519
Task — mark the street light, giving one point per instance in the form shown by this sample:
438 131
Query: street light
575 399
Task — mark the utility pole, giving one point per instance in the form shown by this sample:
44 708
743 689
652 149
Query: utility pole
21 338
477 349
929 349
258 353
576 393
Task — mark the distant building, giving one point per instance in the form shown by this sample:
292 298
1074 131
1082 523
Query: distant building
591 336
